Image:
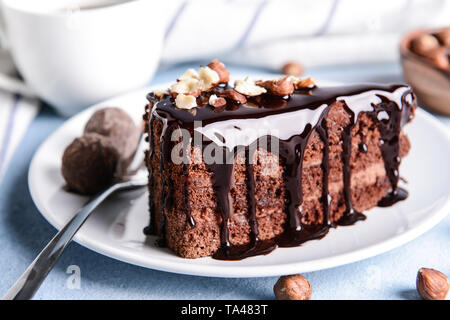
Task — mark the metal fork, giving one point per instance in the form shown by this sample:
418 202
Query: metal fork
30 281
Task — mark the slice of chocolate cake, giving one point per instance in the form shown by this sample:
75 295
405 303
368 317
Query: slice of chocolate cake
237 171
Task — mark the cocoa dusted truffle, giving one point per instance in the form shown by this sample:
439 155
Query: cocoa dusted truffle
118 126
92 162
89 163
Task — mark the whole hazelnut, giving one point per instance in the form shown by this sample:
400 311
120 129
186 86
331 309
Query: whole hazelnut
444 36
424 44
292 68
441 57
432 284
292 287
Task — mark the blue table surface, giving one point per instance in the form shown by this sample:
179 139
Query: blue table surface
24 232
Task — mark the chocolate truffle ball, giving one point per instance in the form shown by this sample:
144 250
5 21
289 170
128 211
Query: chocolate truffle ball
89 163
117 125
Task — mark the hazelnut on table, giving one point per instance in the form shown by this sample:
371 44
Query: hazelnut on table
432 284
292 68
292 287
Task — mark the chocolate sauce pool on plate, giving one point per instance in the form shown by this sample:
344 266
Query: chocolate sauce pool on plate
298 115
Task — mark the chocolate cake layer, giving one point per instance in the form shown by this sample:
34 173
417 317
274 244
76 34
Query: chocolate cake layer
339 152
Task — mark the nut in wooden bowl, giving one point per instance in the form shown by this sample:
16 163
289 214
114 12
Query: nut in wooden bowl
426 67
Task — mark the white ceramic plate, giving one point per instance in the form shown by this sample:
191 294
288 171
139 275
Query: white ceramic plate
115 229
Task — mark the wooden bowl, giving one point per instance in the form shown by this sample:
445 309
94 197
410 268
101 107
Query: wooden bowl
430 83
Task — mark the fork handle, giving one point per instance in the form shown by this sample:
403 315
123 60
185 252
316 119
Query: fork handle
30 281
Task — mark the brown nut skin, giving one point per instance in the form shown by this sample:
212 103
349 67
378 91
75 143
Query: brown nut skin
89 164
424 44
281 87
219 67
195 93
118 126
432 284
233 95
292 68
220 102
441 57
304 84
292 287
444 36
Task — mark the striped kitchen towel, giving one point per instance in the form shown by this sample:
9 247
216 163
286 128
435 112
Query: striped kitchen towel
16 114
268 33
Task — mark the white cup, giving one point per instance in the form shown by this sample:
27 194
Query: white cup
73 57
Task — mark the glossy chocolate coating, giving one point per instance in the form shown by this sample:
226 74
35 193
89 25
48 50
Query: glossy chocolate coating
296 116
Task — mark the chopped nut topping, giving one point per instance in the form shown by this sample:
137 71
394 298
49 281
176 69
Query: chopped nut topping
248 87
234 95
197 88
216 101
194 83
208 77
192 87
219 67
281 87
187 102
302 83
189 74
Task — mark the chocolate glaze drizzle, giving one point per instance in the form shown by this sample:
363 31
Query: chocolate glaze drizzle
350 215
389 130
308 111
326 197
151 228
